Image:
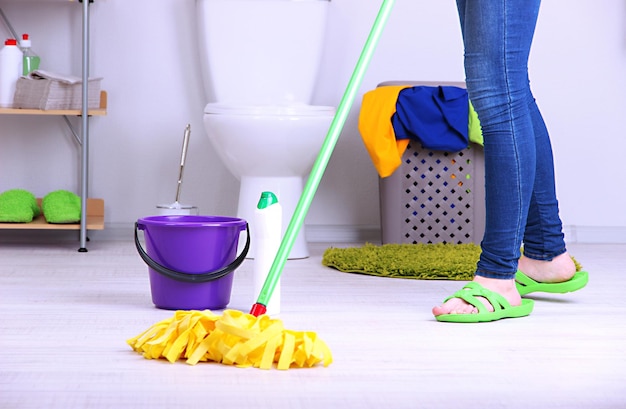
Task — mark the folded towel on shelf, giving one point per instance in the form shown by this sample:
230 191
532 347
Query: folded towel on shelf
47 90
18 206
61 206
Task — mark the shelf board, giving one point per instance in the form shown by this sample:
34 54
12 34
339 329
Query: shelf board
101 111
95 220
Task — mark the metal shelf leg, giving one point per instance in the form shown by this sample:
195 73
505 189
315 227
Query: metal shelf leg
84 188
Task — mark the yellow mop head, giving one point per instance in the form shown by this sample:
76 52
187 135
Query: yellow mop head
234 338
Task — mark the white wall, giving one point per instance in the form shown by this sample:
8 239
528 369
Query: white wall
146 52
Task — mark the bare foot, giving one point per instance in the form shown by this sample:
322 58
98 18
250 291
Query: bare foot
505 288
559 269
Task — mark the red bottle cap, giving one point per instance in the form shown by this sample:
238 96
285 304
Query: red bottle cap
10 41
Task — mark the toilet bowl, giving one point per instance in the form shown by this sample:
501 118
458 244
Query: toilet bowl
269 149
260 60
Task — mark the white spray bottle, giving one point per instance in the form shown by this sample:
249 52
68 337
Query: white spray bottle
267 234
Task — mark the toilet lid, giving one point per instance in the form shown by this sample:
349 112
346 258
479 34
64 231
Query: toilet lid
269 110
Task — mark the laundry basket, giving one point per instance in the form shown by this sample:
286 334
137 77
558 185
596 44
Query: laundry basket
434 196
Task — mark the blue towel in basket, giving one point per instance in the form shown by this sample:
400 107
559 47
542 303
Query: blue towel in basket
437 117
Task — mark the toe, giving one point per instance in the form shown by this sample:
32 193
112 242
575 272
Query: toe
454 306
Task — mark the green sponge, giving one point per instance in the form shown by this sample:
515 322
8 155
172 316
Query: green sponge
18 206
61 206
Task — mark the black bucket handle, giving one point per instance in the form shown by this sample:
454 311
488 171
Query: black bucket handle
192 278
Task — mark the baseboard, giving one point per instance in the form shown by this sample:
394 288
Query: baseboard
372 234
595 234
124 231
314 233
342 234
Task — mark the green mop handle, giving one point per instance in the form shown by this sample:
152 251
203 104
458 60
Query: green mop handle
321 162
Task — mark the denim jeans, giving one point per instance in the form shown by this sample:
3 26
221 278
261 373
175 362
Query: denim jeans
520 196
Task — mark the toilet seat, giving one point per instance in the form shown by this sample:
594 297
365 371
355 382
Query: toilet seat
269 110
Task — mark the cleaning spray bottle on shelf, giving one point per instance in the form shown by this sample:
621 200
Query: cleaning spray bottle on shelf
10 71
267 234
30 60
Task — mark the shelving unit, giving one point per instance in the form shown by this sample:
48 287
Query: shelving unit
92 210
100 111
94 220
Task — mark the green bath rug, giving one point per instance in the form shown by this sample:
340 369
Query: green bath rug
417 261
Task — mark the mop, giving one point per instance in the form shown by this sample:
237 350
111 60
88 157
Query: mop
255 339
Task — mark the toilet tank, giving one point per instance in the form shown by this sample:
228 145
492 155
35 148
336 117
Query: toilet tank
264 52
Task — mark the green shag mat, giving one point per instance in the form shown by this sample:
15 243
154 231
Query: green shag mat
418 261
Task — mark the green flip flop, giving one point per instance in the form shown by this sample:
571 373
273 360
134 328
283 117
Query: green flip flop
526 285
502 308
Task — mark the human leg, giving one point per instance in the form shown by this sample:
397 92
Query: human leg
545 256
543 237
497 37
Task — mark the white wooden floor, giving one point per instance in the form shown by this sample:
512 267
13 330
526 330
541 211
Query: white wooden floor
65 317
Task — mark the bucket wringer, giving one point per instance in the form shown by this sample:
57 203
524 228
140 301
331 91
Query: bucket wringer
253 339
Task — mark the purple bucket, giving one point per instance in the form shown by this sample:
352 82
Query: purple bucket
191 259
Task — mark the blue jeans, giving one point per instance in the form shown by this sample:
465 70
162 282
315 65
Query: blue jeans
520 196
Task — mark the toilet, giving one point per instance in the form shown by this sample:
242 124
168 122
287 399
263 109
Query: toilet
260 60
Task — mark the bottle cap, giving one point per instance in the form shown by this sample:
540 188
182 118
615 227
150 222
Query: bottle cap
10 41
25 41
267 199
